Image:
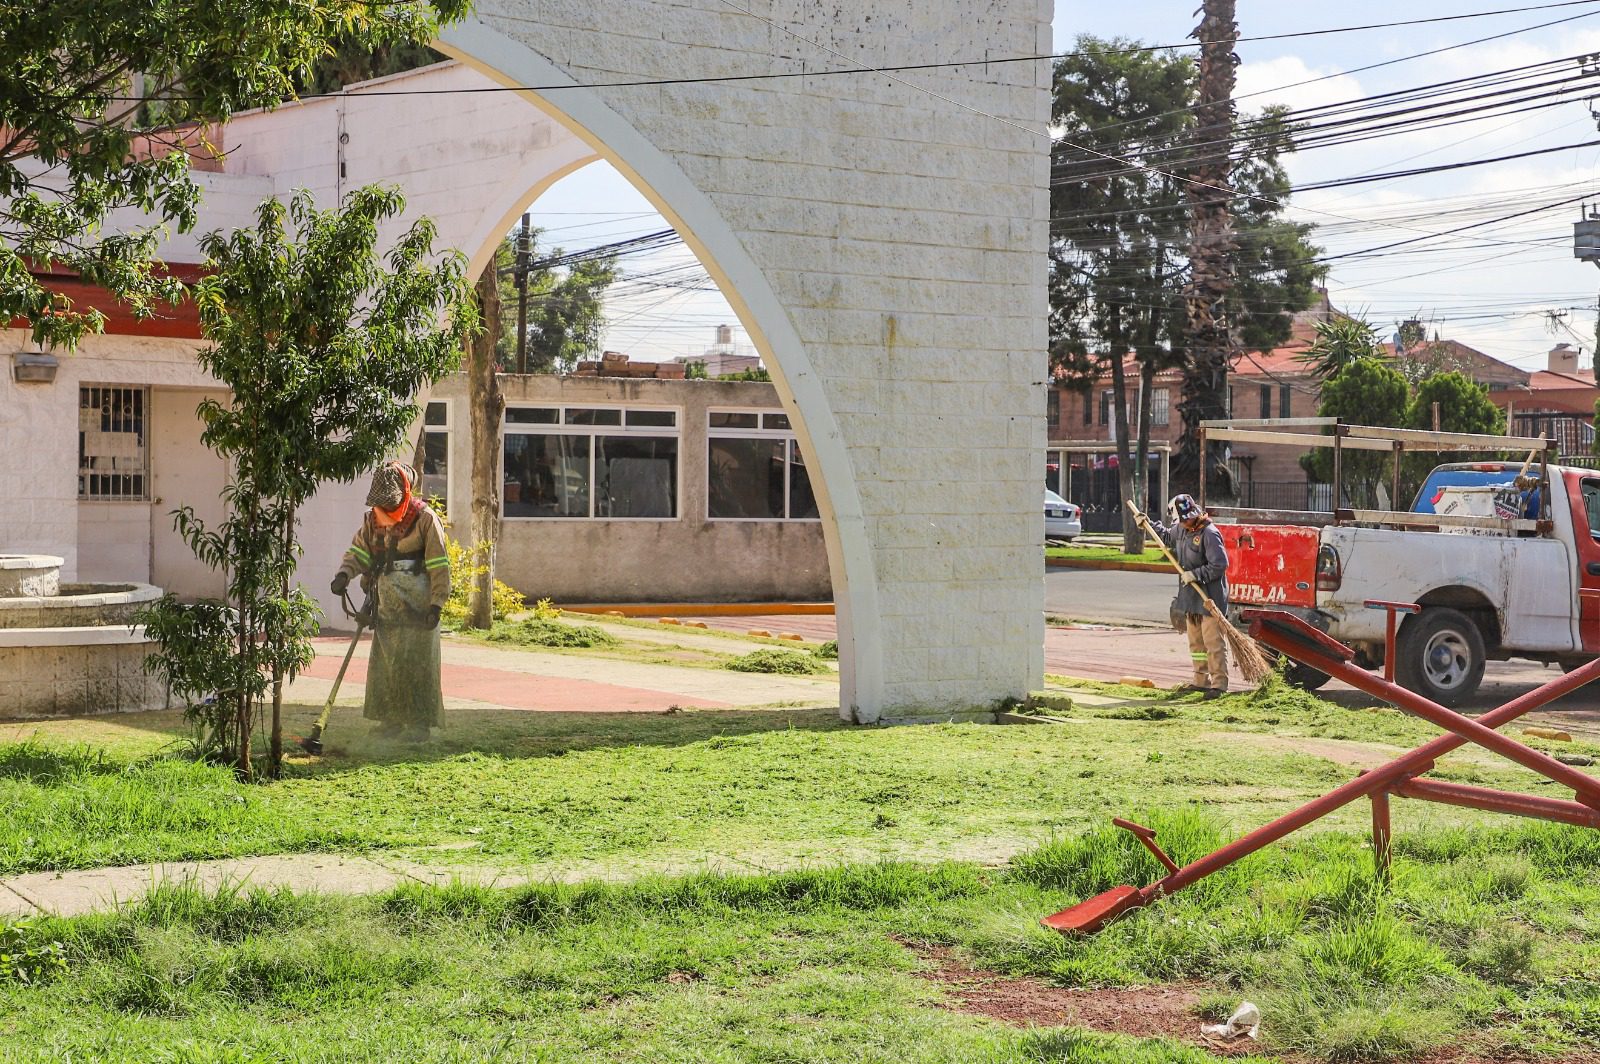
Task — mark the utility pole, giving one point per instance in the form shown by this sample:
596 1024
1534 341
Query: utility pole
1211 244
524 253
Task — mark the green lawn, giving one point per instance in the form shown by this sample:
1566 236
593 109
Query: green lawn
1485 941
1104 554
1487 938
666 790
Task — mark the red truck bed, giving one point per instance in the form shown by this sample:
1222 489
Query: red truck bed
1271 565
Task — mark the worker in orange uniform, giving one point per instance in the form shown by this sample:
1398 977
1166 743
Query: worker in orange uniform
399 554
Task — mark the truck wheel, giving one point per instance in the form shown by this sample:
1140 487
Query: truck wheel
1439 655
1305 677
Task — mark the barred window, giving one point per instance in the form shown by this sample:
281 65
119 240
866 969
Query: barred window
113 443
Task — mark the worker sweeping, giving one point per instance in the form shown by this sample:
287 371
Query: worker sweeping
399 552
1197 545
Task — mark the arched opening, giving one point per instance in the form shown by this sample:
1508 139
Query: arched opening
759 311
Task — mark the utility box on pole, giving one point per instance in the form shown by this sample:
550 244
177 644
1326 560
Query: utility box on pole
1586 237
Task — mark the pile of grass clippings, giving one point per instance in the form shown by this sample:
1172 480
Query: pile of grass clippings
778 661
540 632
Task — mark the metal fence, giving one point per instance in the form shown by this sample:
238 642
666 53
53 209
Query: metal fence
1093 482
1573 433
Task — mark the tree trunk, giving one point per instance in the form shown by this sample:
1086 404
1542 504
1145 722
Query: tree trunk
1147 380
1132 537
275 768
486 406
1208 344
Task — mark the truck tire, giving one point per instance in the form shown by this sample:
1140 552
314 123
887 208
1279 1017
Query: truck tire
1305 677
1439 655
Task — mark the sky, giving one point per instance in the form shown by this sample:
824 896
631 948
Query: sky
1491 288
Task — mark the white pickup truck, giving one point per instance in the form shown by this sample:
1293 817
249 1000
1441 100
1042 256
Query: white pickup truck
1491 587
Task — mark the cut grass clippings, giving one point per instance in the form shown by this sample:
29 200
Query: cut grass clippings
778 662
1484 940
541 632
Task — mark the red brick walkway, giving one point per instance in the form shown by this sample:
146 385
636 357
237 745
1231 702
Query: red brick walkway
1093 653
519 690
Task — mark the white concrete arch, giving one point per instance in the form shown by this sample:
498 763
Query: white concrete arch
692 214
886 249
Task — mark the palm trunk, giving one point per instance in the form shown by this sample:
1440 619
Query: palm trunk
487 406
1147 380
1205 384
1132 537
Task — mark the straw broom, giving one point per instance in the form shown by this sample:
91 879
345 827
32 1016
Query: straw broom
1252 663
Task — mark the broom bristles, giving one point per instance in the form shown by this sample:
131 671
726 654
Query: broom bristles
1252 663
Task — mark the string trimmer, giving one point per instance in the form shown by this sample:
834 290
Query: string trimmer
312 744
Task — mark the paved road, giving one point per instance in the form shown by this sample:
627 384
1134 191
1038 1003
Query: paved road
1091 595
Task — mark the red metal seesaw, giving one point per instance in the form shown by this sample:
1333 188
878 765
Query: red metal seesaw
1290 635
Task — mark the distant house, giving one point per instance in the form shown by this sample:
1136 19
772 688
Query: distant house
1558 402
1279 383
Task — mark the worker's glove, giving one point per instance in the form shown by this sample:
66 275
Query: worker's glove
433 616
341 581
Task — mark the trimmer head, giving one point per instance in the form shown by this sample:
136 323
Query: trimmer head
1092 914
312 744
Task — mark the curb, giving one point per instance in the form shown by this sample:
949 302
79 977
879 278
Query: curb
704 609
1107 565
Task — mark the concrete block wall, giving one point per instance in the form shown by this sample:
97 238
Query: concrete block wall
886 250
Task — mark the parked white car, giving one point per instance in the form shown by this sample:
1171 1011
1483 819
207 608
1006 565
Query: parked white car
1062 519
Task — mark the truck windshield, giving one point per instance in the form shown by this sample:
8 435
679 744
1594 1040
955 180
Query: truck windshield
1499 475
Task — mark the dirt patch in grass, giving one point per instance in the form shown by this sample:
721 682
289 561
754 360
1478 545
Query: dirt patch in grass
1141 1012
1339 751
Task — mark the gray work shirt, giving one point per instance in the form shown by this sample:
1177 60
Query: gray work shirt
1201 553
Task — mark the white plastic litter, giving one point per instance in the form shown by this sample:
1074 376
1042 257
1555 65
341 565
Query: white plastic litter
1245 1022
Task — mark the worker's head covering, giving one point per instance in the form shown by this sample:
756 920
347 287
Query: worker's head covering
391 488
1185 509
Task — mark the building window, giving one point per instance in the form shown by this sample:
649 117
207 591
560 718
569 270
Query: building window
1160 406
1053 408
435 469
1266 400
113 444
754 469
1285 397
1105 407
590 462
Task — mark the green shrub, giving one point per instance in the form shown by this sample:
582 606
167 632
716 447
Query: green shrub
775 660
828 650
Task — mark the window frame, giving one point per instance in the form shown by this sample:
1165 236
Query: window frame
146 471
561 428
447 430
761 432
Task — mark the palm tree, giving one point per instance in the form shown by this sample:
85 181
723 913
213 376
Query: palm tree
1211 236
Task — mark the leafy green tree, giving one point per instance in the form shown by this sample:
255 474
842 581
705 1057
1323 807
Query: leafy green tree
323 347
1119 233
1464 406
566 310
351 59
1366 391
1337 344
81 76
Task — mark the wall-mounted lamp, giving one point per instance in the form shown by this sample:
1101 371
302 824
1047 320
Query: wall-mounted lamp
33 367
